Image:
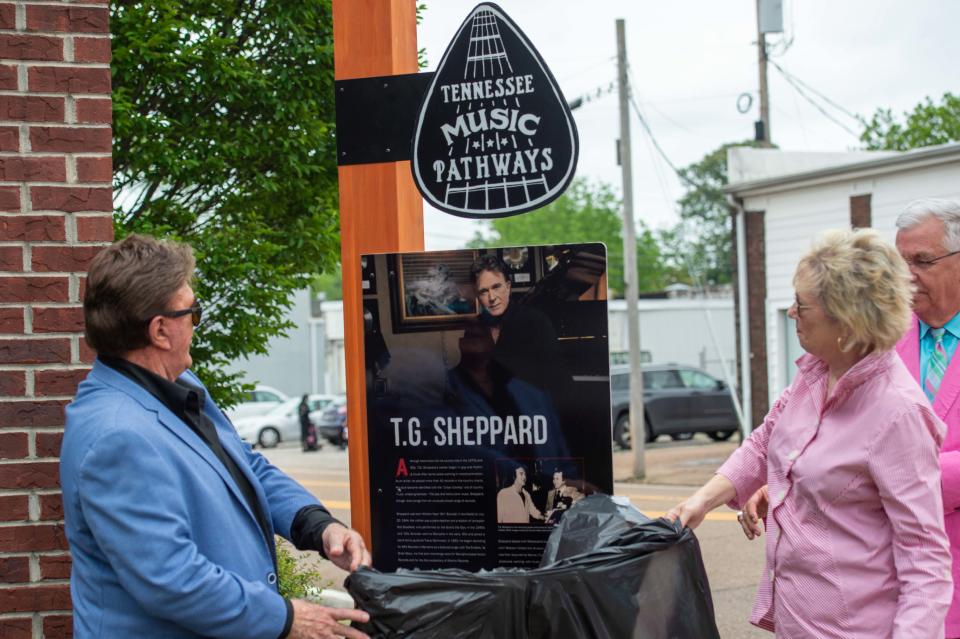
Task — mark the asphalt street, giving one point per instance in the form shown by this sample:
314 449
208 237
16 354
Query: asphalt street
674 470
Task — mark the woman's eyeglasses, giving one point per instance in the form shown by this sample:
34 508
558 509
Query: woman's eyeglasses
195 312
800 307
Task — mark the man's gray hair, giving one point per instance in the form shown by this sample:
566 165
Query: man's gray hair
947 211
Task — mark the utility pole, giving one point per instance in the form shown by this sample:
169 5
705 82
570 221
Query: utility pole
763 126
637 427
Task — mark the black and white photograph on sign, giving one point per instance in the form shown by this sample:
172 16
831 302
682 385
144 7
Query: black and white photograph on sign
538 491
494 136
489 419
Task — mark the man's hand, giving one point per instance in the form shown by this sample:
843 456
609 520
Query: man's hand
753 511
311 621
344 547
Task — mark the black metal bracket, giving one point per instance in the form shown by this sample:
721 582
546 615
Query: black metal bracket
376 117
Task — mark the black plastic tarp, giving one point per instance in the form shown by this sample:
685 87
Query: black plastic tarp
607 571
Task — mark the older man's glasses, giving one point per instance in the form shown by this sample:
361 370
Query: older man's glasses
921 264
195 312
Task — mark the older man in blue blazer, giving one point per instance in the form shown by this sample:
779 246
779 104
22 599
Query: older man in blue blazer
170 516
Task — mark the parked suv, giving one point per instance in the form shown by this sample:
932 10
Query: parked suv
332 423
677 400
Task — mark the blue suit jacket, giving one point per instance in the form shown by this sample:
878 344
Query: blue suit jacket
162 540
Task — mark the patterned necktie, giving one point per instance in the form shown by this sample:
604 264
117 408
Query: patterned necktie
937 365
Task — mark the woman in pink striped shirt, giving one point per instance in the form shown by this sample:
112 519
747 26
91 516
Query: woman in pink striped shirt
855 544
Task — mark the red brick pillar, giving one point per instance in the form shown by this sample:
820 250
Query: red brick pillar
860 213
55 214
755 231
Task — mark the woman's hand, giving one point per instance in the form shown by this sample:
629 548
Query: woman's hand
753 511
692 511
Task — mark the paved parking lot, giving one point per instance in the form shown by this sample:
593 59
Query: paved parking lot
674 470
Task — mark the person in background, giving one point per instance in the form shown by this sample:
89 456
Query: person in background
308 432
856 544
928 238
170 516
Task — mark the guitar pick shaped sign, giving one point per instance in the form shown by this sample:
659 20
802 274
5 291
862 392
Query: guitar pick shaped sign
494 136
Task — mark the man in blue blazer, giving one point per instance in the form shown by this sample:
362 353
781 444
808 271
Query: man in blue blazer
170 516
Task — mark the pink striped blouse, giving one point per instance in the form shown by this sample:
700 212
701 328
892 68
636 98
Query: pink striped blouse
855 545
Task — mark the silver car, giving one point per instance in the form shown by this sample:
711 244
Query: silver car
281 423
257 402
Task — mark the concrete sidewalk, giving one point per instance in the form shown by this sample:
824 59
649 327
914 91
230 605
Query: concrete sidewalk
689 463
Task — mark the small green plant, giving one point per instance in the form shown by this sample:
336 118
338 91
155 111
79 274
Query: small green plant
297 577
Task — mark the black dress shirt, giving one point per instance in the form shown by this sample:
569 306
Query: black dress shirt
186 402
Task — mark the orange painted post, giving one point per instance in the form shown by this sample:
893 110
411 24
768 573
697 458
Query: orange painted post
380 208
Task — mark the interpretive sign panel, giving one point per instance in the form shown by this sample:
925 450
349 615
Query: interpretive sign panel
494 136
488 401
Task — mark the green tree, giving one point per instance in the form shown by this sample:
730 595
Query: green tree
698 249
329 283
224 138
586 212
927 124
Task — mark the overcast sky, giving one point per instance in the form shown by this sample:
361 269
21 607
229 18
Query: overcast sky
690 60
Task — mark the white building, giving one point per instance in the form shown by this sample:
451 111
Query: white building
696 331
782 200
291 363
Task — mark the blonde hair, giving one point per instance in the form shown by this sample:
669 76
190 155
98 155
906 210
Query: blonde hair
862 282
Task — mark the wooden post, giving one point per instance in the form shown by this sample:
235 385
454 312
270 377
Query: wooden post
380 208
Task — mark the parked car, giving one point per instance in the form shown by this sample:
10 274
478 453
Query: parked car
281 423
332 423
257 402
677 400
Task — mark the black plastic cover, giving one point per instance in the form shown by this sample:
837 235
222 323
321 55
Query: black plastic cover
376 116
607 571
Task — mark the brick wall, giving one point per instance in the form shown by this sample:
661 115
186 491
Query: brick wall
735 281
860 211
55 203
757 313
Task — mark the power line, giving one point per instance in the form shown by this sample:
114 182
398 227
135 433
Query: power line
701 98
591 67
671 120
656 144
836 106
657 166
590 96
799 88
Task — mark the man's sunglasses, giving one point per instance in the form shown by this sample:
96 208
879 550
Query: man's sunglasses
195 312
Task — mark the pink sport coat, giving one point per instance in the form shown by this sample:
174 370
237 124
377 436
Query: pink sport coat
947 408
